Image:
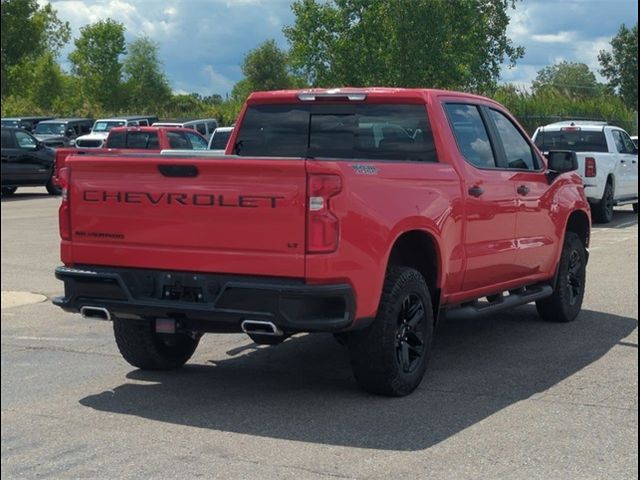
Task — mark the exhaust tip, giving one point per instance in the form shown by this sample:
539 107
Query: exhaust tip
261 327
95 313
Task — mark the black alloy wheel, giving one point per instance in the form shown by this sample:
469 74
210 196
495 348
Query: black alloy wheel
409 335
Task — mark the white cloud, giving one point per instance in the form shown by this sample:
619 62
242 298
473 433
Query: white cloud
560 37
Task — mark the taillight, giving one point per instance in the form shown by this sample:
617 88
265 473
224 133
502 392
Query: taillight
64 212
323 230
590 167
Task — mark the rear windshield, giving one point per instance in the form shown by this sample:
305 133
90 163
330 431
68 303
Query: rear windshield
219 140
365 131
134 140
576 140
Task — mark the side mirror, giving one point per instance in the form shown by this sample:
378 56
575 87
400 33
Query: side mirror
561 161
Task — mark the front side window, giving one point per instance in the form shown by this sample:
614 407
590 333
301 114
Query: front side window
338 131
196 141
518 152
26 141
471 134
220 139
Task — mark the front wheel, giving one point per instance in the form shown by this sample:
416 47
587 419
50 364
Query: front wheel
390 356
142 347
566 301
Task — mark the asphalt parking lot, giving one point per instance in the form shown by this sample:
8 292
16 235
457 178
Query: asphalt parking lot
507 397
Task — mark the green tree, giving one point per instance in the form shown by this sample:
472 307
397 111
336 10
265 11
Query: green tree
146 85
27 31
40 80
96 62
620 65
569 78
411 43
265 68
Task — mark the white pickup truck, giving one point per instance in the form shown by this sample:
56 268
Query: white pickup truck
607 159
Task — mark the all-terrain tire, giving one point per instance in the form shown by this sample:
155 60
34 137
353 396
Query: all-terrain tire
390 356
142 347
566 301
52 189
602 212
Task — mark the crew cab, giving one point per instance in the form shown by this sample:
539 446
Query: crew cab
607 159
369 213
101 128
138 140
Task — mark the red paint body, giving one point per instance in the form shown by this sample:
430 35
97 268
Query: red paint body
163 144
223 220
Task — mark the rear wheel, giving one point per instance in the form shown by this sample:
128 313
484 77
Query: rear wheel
603 211
391 355
566 301
52 189
142 347
6 191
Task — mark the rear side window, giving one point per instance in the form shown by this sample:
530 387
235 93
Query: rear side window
201 128
572 138
365 131
623 142
471 134
178 141
7 139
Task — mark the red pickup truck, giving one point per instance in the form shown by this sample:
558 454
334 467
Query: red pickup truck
137 140
370 213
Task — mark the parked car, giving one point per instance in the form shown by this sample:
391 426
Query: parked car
219 139
124 140
26 123
314 225
101 128
26 162
204 126
607 158
62 132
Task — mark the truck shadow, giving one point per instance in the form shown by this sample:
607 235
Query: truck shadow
303 389
18 196
621 219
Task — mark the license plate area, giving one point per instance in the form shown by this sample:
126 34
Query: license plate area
184 288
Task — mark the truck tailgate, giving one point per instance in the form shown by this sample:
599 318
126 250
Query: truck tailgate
223 214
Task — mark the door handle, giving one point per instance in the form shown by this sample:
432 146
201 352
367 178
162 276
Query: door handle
476 191
523 190
178 170
623 161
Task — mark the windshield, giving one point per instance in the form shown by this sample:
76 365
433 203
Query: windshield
219 140
10 123
102 126
50 129
576 140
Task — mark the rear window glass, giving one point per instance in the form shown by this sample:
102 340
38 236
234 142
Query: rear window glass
134 140
219 140
576 140
342 131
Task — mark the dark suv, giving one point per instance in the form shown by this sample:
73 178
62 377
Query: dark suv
62 132
28 123
26 162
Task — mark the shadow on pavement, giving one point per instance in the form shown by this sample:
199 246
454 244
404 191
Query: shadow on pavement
303 389
621 219
26 196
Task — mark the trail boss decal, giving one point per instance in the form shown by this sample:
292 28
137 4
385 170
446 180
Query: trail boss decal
185 199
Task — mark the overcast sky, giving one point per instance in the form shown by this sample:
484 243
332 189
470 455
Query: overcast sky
202 42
